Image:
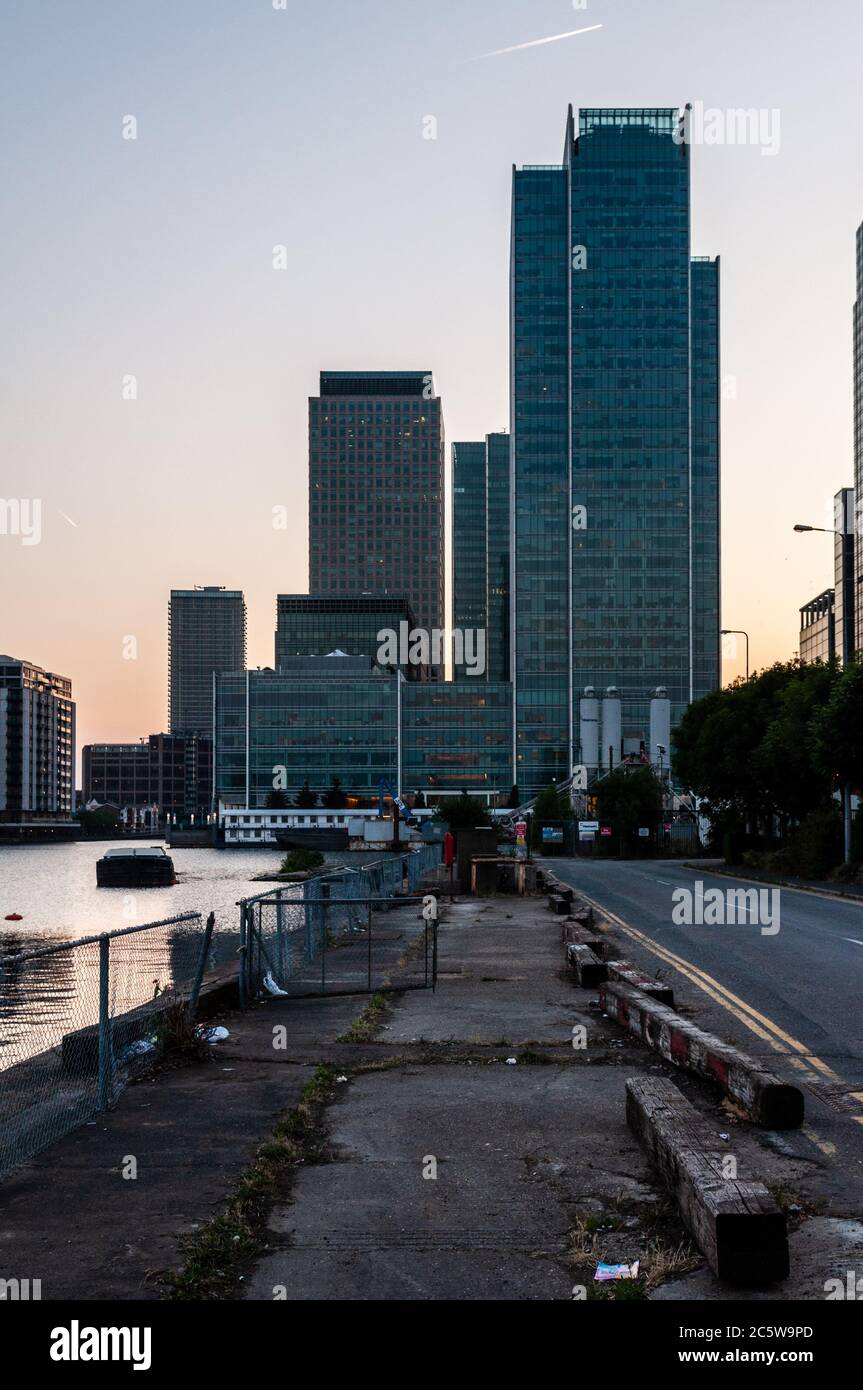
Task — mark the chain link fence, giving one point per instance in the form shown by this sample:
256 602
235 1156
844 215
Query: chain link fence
78 1018
355 931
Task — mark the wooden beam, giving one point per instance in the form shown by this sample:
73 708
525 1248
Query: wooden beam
735 1222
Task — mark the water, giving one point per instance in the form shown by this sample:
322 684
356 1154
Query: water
53 887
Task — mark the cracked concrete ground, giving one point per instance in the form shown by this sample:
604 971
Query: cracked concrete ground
537 1175
523 1154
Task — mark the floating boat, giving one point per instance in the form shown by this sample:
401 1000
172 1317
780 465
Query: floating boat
135 868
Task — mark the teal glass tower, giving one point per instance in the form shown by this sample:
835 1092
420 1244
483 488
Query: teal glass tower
615 395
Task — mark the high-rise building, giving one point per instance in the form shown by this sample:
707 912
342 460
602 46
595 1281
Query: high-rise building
376 489
858 442
317 624
469 541
480 548
37 743
615 394
818 628
206 635
827 622
498 526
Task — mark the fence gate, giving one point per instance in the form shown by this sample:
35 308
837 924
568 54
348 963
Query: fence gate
348 933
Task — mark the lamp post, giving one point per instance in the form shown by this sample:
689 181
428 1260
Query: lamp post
738 632
847 652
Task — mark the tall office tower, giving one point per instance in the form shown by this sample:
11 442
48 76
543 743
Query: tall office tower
376 489
469 552
615 394
206 634
37 743
481 540
858 441
498 515
844 559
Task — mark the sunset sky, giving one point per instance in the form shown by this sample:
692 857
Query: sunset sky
303 127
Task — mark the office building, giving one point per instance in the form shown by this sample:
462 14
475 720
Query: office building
206 634
37 744
480 555
615 394
317 624
326 718
376 489
827 622
172 773
858 443
818 628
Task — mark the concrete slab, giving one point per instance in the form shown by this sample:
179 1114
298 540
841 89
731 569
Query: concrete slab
516 1150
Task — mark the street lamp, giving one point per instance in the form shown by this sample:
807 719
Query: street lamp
847 650
738 632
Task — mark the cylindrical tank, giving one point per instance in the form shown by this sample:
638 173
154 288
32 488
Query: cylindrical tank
589 729
660 728
612 728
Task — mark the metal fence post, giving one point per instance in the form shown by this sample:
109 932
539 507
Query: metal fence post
243 952
105 1059
202 964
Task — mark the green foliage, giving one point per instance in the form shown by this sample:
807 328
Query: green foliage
551 807
838 728
629 798
462 812
749 750
276 800
299 860
306 799
334 797
514 799
818 843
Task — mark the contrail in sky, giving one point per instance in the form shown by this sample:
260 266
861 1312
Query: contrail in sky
536 43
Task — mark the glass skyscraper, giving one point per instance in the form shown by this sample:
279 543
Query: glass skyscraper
376 489
615 393
480 547
206 634
858 443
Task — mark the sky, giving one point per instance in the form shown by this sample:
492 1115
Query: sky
155 365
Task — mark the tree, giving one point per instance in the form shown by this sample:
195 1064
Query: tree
276 800
419 801
306 799
462 812
334 797
514 799
629 798
748 750
550 807
837 728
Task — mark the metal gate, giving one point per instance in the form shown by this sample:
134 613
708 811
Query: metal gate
348 933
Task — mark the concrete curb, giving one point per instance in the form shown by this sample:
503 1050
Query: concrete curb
764 1097
735 1222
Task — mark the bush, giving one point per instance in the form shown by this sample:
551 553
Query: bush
818 843
299 860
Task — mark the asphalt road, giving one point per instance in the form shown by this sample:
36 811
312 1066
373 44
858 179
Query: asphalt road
793 997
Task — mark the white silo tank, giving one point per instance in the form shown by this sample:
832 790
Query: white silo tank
612 728
589 729
660 728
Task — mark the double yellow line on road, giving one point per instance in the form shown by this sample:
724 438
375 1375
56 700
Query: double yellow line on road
798 1055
